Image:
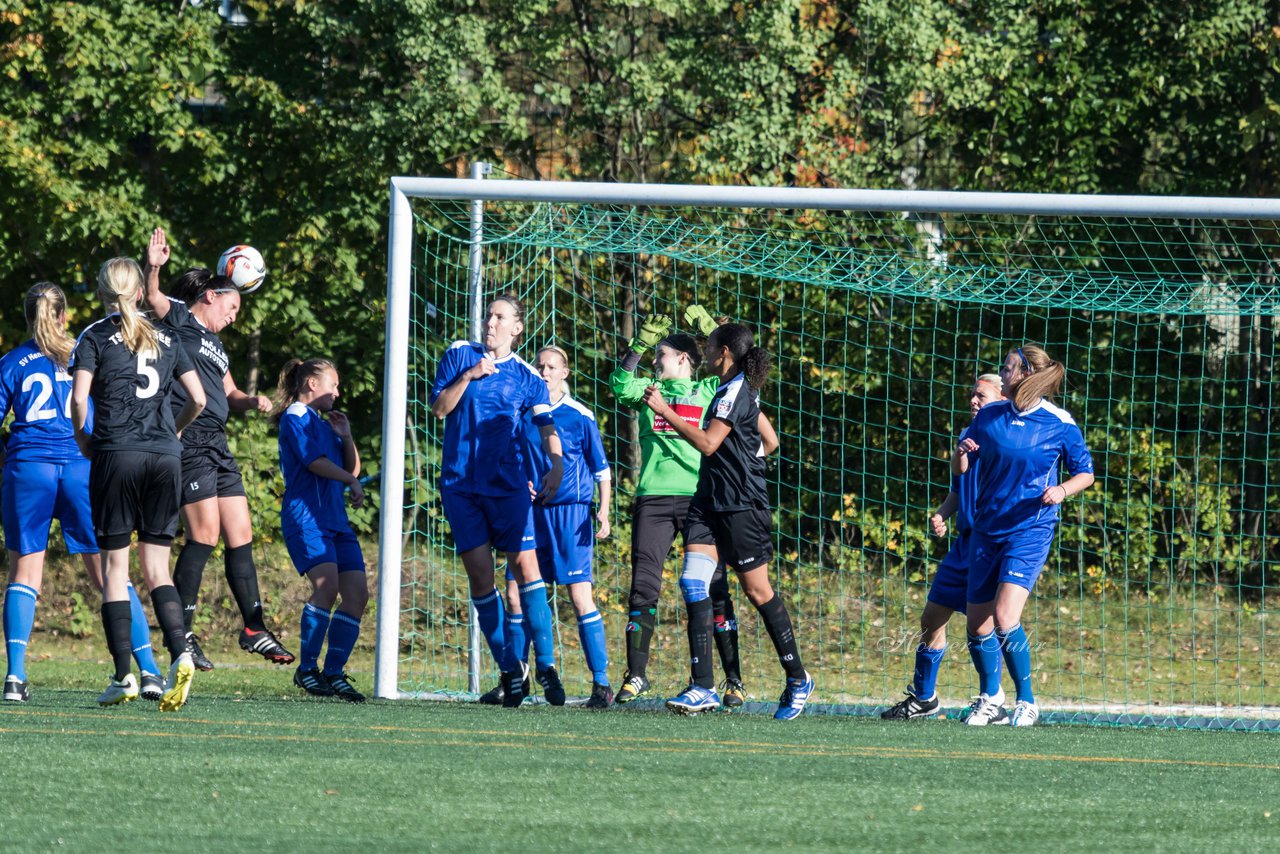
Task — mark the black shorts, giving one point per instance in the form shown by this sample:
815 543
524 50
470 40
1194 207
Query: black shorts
208 469
743 538
134 491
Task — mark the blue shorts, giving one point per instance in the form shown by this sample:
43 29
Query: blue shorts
505 522
310 548
34 494
1017 559
566 543
951 581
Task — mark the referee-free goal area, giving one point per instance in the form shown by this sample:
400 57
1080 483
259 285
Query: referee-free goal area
879 309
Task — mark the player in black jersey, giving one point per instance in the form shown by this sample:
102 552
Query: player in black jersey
201 305
730 514
127 366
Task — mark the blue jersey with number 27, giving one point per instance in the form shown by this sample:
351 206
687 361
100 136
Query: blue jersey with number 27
40 394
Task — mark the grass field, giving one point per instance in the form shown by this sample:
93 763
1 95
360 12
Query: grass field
251 764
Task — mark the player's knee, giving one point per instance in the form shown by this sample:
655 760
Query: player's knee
696 577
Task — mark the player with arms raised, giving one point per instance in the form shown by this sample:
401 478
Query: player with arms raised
213 498
1018 445
127 366
667 480
730 515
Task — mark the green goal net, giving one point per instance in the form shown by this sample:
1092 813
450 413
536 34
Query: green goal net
1155 601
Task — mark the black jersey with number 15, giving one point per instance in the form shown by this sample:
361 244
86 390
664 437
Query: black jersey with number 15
130 391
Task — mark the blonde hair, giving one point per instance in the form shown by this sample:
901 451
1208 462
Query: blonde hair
551 348
991 379
293 378
119 283
45 307
1043 380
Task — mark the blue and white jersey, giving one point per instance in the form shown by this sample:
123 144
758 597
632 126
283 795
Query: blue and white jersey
1020 454
311 502
483 435
965 487
584 461
40 394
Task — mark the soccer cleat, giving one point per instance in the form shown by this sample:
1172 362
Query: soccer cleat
122 691
312 682
601 697
694 699
794 696
552 688
16 690
986 711
515 687
343 689
198 658
734 694
632 687
1024 714
181 672
911 708
264 644
152 686
492 697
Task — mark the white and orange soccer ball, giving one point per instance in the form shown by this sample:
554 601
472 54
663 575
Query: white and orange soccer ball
244 266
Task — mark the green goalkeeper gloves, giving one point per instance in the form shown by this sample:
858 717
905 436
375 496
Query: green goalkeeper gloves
653 330
699 318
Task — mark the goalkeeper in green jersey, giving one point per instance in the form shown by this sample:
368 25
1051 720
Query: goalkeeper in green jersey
667 479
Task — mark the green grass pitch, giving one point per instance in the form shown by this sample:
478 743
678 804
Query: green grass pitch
251 764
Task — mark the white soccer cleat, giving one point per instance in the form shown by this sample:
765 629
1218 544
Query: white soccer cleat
987 711
122 691
1024 714
182 671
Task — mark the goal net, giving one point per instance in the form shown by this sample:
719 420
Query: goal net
879 310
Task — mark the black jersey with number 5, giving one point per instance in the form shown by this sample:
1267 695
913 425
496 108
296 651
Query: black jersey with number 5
131 391
733 477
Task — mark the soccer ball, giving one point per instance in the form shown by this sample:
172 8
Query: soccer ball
243 265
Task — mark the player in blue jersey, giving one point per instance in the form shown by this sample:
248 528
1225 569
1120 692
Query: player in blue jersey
126 367
566 547
214 504
729 517
320 462
948 591
1019 445
46 478
484 390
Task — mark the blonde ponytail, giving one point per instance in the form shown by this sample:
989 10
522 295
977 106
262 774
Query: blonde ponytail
45 308
119 283
1044 380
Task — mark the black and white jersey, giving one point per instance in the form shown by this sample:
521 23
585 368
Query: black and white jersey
131 391
733 477
204 349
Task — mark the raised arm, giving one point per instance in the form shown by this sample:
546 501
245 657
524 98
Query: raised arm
448 399
157 256
238 401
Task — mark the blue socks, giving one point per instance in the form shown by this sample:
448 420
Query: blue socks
19 617
140 635
315 625
489 612
591 633
344 629
517 636
1017 657
537 621
924 682
985 652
